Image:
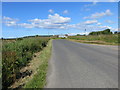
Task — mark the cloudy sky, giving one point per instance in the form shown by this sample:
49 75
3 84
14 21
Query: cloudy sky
43 18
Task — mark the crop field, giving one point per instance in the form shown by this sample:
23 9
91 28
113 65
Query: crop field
17 54
112 39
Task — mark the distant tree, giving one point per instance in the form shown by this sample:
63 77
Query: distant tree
93 33
66 34
19 39
115 32
37 36
78 35
106 31
111 32
2 38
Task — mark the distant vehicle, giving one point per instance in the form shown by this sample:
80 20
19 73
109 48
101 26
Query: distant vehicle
62 36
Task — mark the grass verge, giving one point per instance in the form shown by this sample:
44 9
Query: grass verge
97 39
39 79
93 42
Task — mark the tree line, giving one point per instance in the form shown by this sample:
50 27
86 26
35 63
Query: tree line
104 32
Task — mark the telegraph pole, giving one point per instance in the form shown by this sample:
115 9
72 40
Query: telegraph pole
85 32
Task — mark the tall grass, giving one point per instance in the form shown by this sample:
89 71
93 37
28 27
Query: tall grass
39 79
16 55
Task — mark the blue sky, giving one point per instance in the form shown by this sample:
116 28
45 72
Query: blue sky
42 18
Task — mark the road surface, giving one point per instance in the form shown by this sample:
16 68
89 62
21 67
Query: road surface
77 65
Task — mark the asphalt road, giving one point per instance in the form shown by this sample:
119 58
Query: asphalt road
77 65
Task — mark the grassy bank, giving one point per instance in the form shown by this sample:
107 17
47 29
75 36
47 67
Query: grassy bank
16 55
97 39
39 79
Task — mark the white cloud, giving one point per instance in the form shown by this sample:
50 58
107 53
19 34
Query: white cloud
72 34
90 22
99 23
115 29
51 11
65 12
99 15
90 5
109 22
9 21
82 27
36 20
108 27
56 18
7 18
105 27
53 21
112 0
26 25
57 22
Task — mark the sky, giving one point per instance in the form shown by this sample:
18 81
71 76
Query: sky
59 0
51 18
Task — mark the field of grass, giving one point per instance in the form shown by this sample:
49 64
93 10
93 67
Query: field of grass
39 79
17 54
97 39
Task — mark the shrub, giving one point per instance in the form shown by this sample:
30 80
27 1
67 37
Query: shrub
16 55
107 31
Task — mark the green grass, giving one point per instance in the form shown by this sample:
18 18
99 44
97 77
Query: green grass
97 39
18 54
39 79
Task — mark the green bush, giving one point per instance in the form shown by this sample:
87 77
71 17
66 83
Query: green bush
16 55
105 32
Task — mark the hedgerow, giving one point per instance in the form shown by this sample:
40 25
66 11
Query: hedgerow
16 55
